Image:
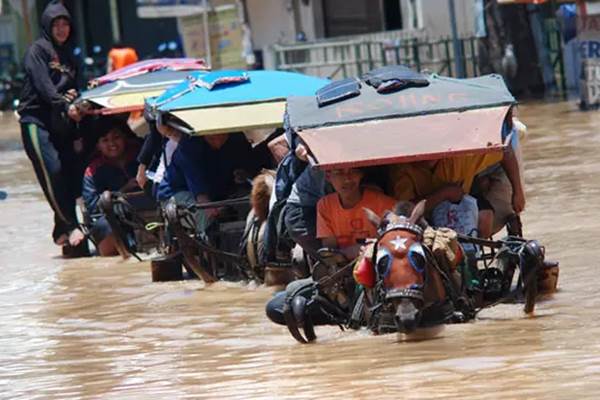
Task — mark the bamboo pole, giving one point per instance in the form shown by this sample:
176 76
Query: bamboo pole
26 23
207 48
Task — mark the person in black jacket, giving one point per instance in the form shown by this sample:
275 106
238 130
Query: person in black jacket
47 117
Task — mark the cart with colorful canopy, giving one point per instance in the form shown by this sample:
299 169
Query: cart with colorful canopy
121 94
228 101
448 117
394 115
125 90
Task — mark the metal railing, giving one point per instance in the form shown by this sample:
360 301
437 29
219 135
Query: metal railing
553 42
343 58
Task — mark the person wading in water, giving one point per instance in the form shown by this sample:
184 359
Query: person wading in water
45 115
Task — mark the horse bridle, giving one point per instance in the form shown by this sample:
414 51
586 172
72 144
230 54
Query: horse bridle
407 293
402 226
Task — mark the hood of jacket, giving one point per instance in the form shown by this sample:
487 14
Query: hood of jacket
55 9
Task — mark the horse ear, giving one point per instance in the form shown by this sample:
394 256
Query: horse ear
372 217
417 212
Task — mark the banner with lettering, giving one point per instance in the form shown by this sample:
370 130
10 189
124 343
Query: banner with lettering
588 34
225 36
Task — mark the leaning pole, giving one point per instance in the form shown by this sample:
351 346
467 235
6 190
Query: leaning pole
458 64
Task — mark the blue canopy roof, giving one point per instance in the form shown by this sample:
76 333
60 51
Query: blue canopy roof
261 86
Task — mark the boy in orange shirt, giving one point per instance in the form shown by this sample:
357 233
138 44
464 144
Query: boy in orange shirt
342 224
341 219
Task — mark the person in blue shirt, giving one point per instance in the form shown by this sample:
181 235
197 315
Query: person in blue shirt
208 168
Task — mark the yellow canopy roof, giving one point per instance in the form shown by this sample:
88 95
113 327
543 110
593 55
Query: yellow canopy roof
213 120
125 102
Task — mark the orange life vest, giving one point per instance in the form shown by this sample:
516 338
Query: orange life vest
122 57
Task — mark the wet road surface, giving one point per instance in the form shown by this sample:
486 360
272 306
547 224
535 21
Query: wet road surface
99 328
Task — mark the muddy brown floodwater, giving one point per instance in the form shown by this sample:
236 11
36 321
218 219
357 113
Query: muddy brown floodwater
99 328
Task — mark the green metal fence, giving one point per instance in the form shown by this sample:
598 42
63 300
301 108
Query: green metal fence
553 42
338 59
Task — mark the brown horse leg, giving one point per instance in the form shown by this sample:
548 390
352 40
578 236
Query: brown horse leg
108 247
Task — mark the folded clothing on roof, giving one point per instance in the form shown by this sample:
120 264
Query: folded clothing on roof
142 67
216 78
394 77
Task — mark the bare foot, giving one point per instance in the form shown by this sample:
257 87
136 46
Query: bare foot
61 240
76 237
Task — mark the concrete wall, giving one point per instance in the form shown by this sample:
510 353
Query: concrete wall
12 29
271 21
435 18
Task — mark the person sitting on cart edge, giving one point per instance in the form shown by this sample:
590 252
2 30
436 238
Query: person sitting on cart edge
300 213
341 219
114 170
208 168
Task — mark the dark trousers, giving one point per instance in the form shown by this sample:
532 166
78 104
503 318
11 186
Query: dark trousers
58 172
301 226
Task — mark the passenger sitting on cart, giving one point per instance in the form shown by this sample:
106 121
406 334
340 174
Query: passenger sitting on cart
342 224
156 147
300 214
113 169
209 168
502 184
341 219
448 179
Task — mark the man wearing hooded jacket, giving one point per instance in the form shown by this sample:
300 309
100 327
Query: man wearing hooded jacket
46 113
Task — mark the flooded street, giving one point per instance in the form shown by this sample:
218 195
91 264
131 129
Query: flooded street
99 328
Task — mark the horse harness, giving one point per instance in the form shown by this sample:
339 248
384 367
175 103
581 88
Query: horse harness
433 314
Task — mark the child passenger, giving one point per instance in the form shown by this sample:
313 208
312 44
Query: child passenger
341 224
341 220
114 170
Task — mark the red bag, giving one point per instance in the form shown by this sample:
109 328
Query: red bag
364 273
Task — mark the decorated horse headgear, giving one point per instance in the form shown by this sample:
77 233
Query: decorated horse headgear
383 257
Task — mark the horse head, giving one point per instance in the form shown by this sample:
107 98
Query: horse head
405 281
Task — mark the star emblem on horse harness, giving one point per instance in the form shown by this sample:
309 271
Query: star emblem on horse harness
399 243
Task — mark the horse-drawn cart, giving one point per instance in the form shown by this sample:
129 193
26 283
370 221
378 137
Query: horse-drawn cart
117 97
413 275
235 102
